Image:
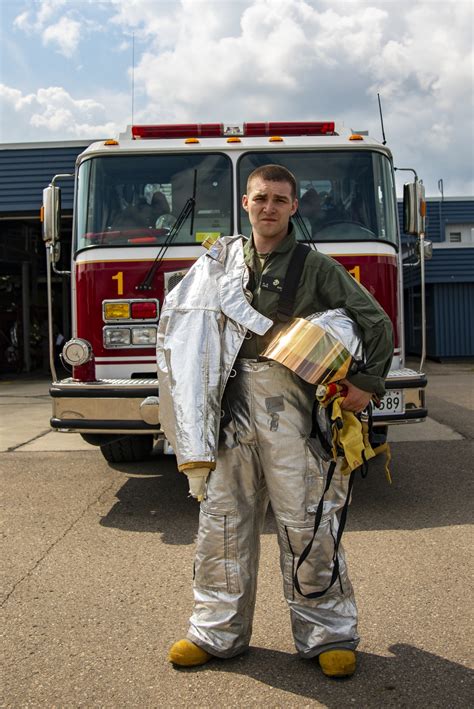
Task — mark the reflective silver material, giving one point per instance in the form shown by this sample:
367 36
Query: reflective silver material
150 410
205 316
264 455
338 323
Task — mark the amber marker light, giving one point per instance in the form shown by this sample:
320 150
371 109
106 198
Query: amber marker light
189 141
275 139
356 136
42 214
234 140
116 311
111 142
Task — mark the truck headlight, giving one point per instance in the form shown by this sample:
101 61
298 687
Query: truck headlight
116 337
77 351
145 336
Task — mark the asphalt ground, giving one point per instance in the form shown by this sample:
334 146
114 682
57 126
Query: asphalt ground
97 573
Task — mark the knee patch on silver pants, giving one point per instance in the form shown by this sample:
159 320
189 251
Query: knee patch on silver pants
315 572
216 557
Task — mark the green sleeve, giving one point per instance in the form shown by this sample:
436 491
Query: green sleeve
338 289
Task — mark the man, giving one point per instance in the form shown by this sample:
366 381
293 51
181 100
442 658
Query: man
263 453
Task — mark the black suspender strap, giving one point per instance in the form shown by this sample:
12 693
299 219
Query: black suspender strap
286 304
285 310
317 521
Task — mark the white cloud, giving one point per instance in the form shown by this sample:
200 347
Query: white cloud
65 34
22 21
53 114
241 60
47 10
31 20
296 59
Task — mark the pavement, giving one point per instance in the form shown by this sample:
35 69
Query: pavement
97 573
450 383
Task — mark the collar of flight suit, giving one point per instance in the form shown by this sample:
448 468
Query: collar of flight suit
286 245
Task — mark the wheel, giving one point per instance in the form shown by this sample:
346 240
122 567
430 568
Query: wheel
128 449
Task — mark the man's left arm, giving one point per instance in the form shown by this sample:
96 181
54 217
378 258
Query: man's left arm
342 291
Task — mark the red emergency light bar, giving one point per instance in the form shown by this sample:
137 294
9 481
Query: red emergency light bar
180 130
218 130
288 128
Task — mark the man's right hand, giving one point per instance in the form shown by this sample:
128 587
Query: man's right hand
197 478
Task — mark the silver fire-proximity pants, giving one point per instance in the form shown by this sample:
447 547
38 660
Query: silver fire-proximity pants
264 456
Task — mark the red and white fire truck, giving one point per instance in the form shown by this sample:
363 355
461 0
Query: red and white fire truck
145 204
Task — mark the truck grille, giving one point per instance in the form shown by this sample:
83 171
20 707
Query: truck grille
172 278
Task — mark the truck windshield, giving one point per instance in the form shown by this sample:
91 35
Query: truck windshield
344 195
135 199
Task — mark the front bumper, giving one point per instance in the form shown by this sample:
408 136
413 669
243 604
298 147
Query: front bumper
131 405
412 384
106 406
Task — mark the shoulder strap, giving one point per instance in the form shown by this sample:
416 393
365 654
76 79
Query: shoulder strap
286 304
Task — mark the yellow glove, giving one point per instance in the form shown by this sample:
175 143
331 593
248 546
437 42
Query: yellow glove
197 478
350 437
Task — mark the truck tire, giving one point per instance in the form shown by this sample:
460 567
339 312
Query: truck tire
128 449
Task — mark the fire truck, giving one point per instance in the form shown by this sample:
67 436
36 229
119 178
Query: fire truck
144 206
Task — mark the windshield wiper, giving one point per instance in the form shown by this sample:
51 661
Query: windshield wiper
303 228
187 210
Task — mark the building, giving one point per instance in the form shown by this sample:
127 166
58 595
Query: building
449 281
25 169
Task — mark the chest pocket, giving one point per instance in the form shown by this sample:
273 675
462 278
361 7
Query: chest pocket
272 283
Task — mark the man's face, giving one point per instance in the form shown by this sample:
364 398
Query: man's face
269 205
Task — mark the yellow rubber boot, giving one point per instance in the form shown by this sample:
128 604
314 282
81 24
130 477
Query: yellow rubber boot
186 654
338 663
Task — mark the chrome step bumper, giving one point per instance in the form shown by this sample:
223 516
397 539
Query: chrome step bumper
412 386
132 405
105 406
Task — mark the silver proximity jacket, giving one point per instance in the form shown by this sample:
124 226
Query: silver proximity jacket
205 318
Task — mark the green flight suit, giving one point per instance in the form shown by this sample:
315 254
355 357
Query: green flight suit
325 284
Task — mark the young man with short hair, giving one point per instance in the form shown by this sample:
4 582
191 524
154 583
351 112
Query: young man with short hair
263 454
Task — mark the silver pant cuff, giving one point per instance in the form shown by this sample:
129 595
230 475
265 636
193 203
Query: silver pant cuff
343 645
223 654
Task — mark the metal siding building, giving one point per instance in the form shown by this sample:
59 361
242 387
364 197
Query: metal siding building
25 170
449 282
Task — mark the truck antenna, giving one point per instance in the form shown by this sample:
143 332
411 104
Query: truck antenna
133 73
381 120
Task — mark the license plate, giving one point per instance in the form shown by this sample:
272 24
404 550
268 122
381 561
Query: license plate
392 403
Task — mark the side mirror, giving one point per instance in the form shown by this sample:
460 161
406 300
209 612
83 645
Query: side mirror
414 208
51 214
427 248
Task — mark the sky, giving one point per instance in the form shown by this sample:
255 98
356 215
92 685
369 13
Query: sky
69 69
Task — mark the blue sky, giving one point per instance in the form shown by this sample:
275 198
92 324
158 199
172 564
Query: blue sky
65 70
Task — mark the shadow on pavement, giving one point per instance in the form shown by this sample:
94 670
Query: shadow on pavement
432 486
410 677
154 499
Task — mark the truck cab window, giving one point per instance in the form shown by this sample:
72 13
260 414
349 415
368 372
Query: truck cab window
134 200
343 195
